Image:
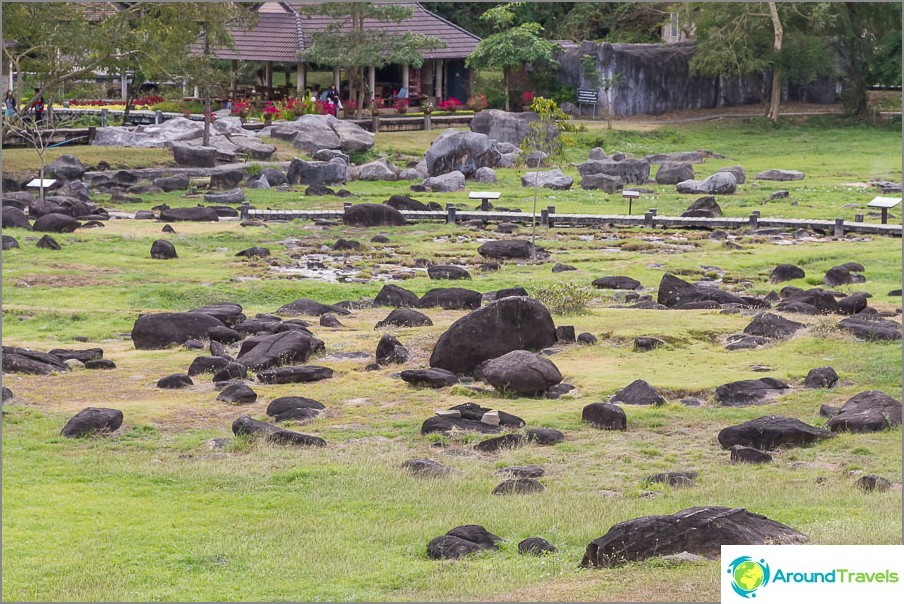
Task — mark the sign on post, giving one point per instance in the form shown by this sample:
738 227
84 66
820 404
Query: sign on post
885 204
588 96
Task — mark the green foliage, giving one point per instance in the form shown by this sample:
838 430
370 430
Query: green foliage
565 297
512 48
550 134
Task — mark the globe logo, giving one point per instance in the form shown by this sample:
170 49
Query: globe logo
748 575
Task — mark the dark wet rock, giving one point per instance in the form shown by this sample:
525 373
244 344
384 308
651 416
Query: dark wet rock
285 404
390 351
207 364
565 334
293 346
750 392
871 328
309 308
163 250
771 432
519 486
447 425
869 411
447 272
100 364
254 252
505 325
239 394
741 454
427 468
522 372
646 343
786 272
460 542
15 218
451 298
318 190
431 378
545 437
638 392
837 275
232 371
812 301
85 355
828 410
769 325
48 243
195 214
821 377
193 345
561 268
7 394
587 338
55 223
230 314
403 202
23 360
65 167
510 291
329 320
160 330
536 546
225 180
147 215
175 381
343 245
531 471
872 482
92 420
246 426
398 297
616 283
700 530
605 416
371 215
675 479
295 375
405 318
494 445
674 292
852 304
509 248
179 182
296 414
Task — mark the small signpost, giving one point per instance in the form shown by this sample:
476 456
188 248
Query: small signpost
588 96
39 184
484 197
630 196
884 204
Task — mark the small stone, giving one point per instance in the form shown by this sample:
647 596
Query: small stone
490 417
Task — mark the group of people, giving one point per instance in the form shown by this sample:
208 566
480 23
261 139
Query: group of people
9 107
329 97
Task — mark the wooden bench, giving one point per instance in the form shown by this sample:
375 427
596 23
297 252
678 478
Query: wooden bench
484 197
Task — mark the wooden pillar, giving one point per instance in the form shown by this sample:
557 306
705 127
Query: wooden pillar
446 79
124 85
426 78
234 65
194 93
405 77
371 81
336 77
268 74
299 78
438 78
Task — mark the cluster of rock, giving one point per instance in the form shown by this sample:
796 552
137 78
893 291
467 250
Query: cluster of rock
24 360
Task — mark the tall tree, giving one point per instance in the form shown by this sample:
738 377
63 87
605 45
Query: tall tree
358 38
511 46
735 39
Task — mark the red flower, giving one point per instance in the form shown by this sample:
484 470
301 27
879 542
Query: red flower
451 104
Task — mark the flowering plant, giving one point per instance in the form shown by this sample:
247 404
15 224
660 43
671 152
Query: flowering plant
451 105
478 103
427 107
241 108
271 111
527 97
401 105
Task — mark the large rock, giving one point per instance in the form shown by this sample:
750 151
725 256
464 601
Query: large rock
786 272
447 425
671 173
837 275
372 214
464 152
399 297
629 171
179 182
195 214
675 292
309 308
446 183
750 392
246 426
9 243
284 404
301 172
739 173
451 298
821 377
515 323
161 330
720 183
92 420
503 126
506 248
705 207
605 416
638 392
781 175
618 282
379 169
447 271
163 250
263 352
312 133
228 179
402 317
56 223
522 372
771 432
550 179
236 195
601 182
15 218
461 541
431 378
65 167
871 328
227 312
403 202
194 156
870 411
690 157
699 530
295 374
773 326
853 304
23 360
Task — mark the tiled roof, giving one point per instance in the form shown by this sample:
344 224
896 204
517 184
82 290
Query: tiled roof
281 33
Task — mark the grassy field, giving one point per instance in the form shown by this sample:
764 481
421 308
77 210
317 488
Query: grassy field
152 513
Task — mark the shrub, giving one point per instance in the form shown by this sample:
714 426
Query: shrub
565 297
478 103
527 97
451 105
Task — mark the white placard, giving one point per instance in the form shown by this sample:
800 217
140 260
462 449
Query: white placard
38 183
884 202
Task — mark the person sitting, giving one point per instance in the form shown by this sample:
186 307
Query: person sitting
403 93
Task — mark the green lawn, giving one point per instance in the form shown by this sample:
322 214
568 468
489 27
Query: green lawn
153 514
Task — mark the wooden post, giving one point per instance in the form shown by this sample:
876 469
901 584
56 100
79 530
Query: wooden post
268 74
858 217
428 123
438 78
544 218
158 116
754 220
451 211
103 116
405 77
372 81
375 124
653 211
550 210
299 78
336 77
244 210
346 205
884 215
839 227
484 205
648 220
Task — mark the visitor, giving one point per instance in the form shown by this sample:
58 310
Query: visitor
9 105
332 95
38 108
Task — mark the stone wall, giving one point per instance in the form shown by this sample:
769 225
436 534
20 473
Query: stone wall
656 79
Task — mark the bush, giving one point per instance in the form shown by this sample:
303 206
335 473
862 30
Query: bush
565 297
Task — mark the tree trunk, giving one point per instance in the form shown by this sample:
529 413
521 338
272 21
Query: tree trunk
505 77
776 99
130 95
206 115
41 176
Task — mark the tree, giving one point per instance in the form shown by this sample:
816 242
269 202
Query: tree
633 22
550 133
511 47
351 43
613 81
738 39
37 135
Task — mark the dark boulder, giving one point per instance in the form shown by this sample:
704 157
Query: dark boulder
536 546
346 245
741 454
195 214
92 420
873 482
494 445
647 343
460 542
522 372
100 364
769 325
65 167
489 332
426 468
48 243
398 297
295 375
565 334
224 335
473 411
671 173
240 394
447 425
821 377
332 172
15 218
227 312
628 171
812 301
195 156
561 268
236 195
56 223
605 416
445 271
465 152
673 479
284 404
431 378
371 215
510 291
545 437
405 318
85 355
388 350
587 338
638 392
869 411
871 328
750 392
207 364
179 182
297 414
246 426
309 308
163 250
616 283
403 202
175 381
851 305
786 272
837 275
329 320
675 292
511 248
226 180
293 346
232 371
451 298
771 432
519 486
160 330
699 530
23 360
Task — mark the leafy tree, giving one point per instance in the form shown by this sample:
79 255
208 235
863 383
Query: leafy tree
511 47
38 135
608 83
636 22
736 39
551 133
352 44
